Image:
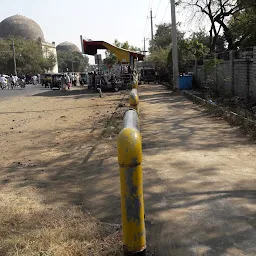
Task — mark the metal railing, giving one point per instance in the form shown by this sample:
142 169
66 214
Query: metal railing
129 146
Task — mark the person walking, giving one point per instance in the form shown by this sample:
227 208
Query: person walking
68 81
2 82
11 81
63 83
34 79
75 79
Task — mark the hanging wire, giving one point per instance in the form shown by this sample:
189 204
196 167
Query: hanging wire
146 22
165 12
158 6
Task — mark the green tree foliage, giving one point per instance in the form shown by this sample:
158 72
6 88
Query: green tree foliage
29 57
160 57
242 26
111 59
163 37
219 13
202 37
188 49
70 60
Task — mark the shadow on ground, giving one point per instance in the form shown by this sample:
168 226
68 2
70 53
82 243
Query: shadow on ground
200 217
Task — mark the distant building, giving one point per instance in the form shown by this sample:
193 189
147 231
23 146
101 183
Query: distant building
50 48
67 47
21 26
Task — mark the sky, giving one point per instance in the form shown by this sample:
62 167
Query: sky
104 20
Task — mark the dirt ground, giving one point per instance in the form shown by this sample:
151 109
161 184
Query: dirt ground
199 179
59 155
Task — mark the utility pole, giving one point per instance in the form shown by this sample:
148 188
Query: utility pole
174 47
14 58
152 32
144 45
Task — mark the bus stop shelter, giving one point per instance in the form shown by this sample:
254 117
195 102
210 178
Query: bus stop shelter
123 55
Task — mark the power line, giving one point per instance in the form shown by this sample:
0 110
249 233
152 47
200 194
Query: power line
158 6
145 26
165 12
151 2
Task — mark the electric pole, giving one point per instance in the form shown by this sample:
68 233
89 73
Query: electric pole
174 47
14 58
144 45
152 32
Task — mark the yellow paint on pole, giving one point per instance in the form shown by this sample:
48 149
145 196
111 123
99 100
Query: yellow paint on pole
132 202
134 99
134 85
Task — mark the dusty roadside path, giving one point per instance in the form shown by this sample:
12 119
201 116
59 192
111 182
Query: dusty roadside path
199 179
57 170
58 165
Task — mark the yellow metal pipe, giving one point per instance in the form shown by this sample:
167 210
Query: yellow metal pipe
135 82
132 202
134 85
134 99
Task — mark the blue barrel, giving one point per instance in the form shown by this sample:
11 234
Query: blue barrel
185 82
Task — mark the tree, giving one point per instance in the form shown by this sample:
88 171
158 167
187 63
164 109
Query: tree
163 37
111 59
203 38
71 60
29 56
243 26
188 49
219 12
160 58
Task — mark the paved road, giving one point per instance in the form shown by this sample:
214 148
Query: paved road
28 91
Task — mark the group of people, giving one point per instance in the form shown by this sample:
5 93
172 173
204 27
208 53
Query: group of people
8 80
73 78
68 80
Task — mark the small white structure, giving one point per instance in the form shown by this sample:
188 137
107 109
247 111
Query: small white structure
50 48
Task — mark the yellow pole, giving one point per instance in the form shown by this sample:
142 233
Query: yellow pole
135 82
134 99
132 202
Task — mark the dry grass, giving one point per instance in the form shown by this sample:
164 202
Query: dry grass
42 220
28 227
114 124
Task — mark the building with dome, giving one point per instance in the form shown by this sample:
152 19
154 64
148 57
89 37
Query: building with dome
21 26
67 47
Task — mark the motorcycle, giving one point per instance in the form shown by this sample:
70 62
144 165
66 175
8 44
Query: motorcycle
22 83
